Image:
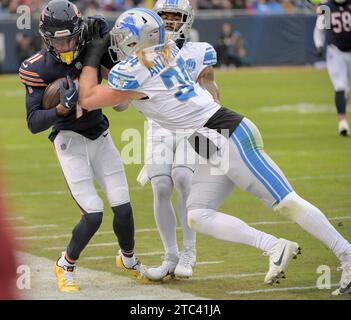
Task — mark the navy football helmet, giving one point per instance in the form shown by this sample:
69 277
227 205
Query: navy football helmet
62 29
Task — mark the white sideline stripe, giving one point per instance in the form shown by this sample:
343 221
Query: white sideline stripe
228 276
258 223
137 188
242 292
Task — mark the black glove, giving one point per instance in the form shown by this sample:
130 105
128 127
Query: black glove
97 47
104 28
320 51
68 97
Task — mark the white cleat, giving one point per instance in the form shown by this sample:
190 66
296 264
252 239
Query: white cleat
165 269
279 257
344 129
345 281
186 263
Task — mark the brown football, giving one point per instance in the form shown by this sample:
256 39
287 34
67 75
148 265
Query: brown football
51 97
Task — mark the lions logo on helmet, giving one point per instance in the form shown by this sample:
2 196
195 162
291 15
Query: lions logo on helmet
134 30
177 31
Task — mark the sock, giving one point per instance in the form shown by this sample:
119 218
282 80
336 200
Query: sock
340 102
164 215
225 227
128 261
182 177
63 261
312 220
123 226
82 233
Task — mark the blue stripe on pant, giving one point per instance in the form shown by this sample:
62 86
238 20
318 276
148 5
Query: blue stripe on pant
260 168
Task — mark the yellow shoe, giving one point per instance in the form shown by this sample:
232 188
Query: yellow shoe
137 271
65 278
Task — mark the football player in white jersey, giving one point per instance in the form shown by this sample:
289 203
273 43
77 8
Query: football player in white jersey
153 76
177 159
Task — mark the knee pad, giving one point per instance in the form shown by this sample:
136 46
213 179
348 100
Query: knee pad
292 206
162 187
181 177
93 220
90 203
196 217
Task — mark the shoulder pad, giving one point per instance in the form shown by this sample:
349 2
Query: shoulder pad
30 73
210 56
126 75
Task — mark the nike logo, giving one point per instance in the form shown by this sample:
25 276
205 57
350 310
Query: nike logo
25 65
69 98
105 135
279 262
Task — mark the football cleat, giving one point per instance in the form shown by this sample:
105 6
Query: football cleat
65 276
344 129
165 269
345 281
279 257
186 263
137 270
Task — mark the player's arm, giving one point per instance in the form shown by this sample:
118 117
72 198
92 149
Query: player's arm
319 35
38 119
93 96
206 79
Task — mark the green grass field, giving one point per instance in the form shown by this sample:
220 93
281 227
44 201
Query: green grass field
293 109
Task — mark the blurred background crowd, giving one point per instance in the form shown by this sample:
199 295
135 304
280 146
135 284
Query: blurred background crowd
91 6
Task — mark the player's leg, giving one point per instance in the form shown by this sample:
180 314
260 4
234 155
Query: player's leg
253 170
159 161
109 171
182 174
73 155
210 186
338 69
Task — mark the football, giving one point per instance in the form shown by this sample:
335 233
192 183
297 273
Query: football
51 97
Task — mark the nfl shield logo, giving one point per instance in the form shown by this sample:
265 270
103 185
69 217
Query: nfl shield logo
63 146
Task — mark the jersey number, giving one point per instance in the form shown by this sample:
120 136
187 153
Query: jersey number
341 21
186 88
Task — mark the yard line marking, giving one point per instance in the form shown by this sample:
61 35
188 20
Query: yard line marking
113 257
137 188
257 223
38 226
229 276
12 218
242 292
50 193
205 263
323 177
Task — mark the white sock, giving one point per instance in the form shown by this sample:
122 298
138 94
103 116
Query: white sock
163 210
64 262
128 262
182 177
312 220
225 227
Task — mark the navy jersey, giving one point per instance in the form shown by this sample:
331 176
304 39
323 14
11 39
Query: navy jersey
340 32
36 73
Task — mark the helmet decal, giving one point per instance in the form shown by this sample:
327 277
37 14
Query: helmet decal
129 23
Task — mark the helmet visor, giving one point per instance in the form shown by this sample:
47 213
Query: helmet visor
66 46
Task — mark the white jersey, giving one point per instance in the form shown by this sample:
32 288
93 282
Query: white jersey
198 56
174 101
